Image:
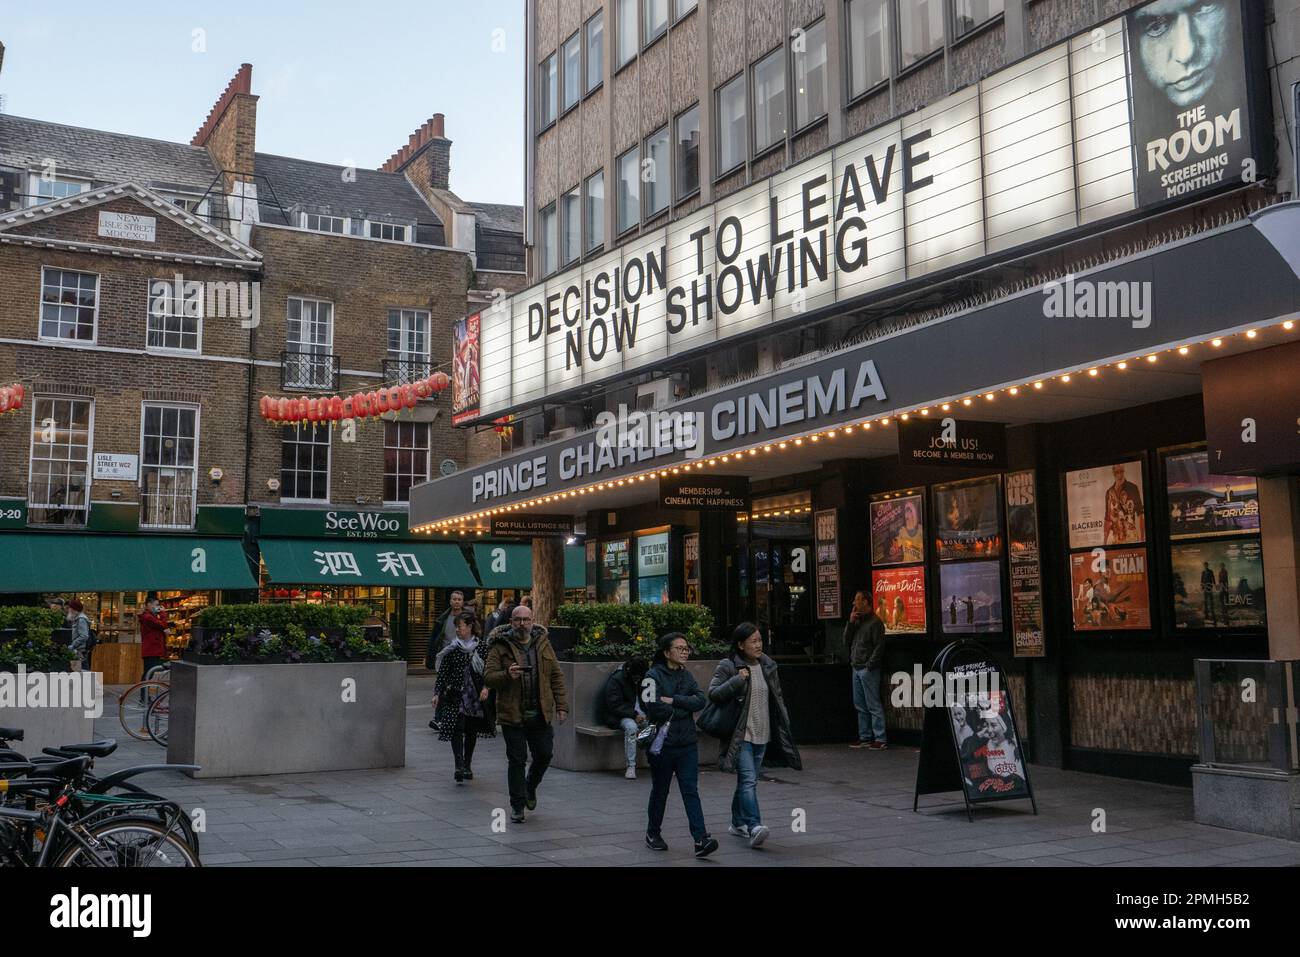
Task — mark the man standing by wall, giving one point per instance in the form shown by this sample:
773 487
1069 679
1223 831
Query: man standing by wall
866 649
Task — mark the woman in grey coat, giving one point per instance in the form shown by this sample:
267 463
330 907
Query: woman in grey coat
748 680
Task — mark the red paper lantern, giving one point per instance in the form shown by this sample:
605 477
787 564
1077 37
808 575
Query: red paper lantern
347 408
379 402
336 408
409 398
421 389
361 404
4 400
282 411
440 381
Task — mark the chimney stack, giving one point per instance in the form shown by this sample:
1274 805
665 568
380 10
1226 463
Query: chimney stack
426 157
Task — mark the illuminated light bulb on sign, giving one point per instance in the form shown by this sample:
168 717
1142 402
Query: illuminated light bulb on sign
1216 342
1014 390
1251 334
1151 358
1092 372
1183 350
1288 325
1038 385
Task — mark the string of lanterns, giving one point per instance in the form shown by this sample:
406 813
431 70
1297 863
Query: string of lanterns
11 397
362 405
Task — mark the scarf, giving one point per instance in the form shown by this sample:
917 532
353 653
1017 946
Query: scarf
471 650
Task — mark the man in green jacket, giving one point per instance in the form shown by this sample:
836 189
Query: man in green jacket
522 668
866 650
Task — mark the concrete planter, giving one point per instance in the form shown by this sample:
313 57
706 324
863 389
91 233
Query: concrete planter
284 719
575 751
1259 801
48 727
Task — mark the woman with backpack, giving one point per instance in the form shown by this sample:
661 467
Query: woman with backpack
82 643
746 693
462 704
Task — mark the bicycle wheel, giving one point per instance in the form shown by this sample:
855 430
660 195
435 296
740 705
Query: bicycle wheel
155 719
133 706
131 842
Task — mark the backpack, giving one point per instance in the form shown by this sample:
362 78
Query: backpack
92 639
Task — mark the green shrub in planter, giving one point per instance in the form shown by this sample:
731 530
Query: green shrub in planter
32 645
613 631
251 634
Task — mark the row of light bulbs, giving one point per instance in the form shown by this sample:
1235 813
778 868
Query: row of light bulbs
1037 385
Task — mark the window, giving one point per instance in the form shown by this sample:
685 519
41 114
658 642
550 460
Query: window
406 458
547 91
168 465
44 188
868 45
595 51
69 304
628 206
408 344
546 241
688 152
193 205
59 476
731 125
656 19
388 231
571 226
969 14
305 463
920 29
809 73
324 224
309 344
626 30
683 7
595 218
572 71
658 172
769 101
175 319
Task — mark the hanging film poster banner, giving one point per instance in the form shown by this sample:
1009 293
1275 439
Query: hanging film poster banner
464 370
1111 590
1202 504
1104 505
897 535
970 597
826 525
899 598
965 519
691 566
1025 566
1218 584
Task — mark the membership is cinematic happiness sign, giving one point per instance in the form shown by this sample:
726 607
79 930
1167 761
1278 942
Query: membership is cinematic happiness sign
1043 146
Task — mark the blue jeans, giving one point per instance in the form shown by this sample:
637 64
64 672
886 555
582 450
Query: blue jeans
684 761
630 729
744 803
866 699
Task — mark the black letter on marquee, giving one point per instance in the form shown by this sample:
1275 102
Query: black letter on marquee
912 160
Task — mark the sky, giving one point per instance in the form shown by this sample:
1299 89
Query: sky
339 82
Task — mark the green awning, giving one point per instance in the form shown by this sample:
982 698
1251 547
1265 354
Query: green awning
510 565
50 562
575 566
295 561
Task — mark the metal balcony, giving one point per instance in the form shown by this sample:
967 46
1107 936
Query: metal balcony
59 502
309 371
407 369
167 498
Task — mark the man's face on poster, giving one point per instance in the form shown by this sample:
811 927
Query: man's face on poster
1181 43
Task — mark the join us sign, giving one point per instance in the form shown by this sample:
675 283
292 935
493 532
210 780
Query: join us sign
1043 146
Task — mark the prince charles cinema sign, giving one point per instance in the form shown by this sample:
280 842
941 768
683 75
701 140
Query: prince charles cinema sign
1049 144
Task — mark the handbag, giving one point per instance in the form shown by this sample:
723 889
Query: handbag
646 734
720 720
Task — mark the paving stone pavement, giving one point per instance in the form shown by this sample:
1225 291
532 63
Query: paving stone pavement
855 805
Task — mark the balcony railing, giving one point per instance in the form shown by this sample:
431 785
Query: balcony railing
406 369
61 502
167 498
309 371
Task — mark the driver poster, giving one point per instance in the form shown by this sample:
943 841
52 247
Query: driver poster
1106 506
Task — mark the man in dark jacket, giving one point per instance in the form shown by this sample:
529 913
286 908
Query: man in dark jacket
866 650
444 629
522 668
623 711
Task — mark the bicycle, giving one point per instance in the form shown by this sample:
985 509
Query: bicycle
133 705
157 716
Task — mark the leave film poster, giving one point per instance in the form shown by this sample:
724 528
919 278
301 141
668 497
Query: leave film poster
1105 505
965 519
464 369
1218 584
987 744
897 533
970 599
1111 590
1202 504
899 597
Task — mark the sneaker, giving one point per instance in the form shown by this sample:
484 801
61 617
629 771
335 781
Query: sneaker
705 847
879 746
531 801
469 775
460 775
860 744
630 774
432 726
517 816
655 842
757 835
742 831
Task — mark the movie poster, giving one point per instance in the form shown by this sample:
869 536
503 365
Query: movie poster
897 535
464 369
1191 117
1202 504
826 528
1024 566
899 597
1105 505
1111 593
970 599
965 519
691 566
1219 584
987 743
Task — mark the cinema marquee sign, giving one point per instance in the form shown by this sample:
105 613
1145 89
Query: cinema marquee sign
1041 147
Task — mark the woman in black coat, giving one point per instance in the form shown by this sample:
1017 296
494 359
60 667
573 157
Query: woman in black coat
463 706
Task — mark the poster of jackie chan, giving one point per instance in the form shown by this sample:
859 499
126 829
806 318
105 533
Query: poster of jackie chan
1105 505
1219 584
970 599
464 369
1111 593
1202 504
987 743
897 535
900 599
1191 117
966 519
